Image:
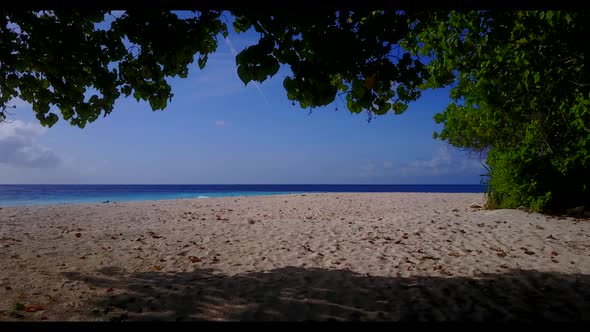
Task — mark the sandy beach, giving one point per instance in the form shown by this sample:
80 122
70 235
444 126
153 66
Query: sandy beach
391 256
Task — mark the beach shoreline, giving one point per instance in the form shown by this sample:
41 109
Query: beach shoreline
343 256
29 195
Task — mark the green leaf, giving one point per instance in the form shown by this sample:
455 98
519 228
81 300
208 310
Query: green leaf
52 119
202 61
241 24
399 108
126 90
245 74
354 107
383 109
271 67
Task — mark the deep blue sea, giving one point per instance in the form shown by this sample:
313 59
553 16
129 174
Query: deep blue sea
15 195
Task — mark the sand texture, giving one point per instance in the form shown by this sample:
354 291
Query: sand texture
391 256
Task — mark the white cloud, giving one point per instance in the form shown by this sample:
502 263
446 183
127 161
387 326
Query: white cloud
437 165
220 123
441 163
369 169
369 166
18 103
19 146
472 165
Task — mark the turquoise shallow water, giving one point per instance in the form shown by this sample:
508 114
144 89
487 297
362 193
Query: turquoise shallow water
18 195
97 197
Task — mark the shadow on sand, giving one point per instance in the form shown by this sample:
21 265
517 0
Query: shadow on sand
294 293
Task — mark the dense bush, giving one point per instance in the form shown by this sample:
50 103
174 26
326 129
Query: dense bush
520 88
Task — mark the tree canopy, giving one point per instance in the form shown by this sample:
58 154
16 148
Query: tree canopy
520 88
55 58
519 79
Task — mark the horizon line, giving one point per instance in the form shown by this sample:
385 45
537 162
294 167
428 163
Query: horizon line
237 184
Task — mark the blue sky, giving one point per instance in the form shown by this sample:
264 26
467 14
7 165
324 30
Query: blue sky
218 131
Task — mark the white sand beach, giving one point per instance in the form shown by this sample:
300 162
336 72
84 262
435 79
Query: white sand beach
390 256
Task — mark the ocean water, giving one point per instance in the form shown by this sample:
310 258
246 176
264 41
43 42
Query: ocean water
18 195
